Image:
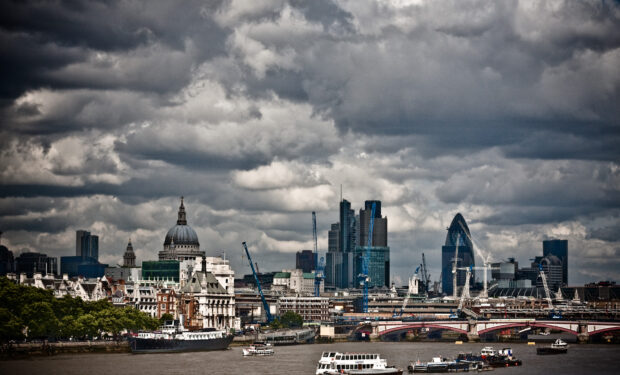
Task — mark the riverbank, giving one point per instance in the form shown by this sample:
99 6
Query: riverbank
23 350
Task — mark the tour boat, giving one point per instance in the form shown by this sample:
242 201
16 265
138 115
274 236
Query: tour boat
558 347
258 349
354 364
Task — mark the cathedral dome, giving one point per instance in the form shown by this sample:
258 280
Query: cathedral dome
181 234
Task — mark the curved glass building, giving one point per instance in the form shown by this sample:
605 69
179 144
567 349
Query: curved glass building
458 236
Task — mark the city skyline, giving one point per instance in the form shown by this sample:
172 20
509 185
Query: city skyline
258 114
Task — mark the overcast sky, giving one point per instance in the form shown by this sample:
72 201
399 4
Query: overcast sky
258 111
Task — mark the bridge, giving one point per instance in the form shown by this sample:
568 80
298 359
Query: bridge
474 328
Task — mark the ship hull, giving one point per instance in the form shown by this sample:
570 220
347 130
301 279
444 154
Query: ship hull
141 345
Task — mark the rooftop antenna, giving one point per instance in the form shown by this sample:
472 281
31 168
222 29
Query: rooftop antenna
340 193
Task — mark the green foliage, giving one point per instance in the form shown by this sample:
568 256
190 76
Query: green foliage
290 319
42 316
166 316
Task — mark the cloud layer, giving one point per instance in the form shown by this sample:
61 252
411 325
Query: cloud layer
257 112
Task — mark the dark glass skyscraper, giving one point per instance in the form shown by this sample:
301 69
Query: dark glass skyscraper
458 234
379 265
304 260
86 245
559 248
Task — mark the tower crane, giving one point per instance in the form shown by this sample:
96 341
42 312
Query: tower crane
412 289
454 264
366 260
425 275
543 277
318 265
260 290
463 293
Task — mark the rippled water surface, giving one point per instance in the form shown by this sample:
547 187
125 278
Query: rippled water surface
302 359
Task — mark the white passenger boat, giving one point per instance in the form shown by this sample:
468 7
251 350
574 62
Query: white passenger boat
354 364
258 349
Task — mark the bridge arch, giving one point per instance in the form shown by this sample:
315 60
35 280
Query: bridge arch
602 330
530 324
435 325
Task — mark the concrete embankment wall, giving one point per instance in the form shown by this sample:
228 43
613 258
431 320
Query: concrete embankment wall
52 348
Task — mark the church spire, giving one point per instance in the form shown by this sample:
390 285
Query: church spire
182 218
129 258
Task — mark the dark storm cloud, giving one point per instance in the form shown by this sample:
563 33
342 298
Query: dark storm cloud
257 112
46 43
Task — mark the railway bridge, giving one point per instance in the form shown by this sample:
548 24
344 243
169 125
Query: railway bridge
474 328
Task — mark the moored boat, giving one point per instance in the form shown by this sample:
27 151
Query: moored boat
503 358
173 337
558 347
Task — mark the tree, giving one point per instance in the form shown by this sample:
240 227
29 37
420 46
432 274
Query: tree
291 319
40 320
166 316
11 327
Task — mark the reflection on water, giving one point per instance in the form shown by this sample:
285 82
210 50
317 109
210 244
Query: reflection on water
302 359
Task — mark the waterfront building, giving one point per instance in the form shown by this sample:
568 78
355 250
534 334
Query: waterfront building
86 245
181 242
558 248
215 305
30 263
167 303
458 234
311 309
304 260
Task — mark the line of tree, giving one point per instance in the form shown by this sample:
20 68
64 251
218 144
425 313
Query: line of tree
33 313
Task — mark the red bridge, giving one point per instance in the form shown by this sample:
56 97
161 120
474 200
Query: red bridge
474 328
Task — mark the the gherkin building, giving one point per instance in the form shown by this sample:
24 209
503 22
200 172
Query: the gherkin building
458 237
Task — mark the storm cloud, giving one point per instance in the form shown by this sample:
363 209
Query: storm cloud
259 111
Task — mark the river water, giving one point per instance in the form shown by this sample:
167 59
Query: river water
302 359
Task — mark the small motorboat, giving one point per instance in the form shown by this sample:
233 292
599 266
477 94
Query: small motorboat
258 349
558 347
503 358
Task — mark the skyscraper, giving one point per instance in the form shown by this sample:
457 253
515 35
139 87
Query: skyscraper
304 260
458 234
333 258
86 245
347 243
379 262
558 248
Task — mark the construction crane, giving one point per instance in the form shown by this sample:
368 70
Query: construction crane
412 289
425 275
464 293
454 264
260 290
543 277
318 265
366 259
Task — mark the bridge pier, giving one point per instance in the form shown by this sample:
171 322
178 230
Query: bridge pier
472 335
